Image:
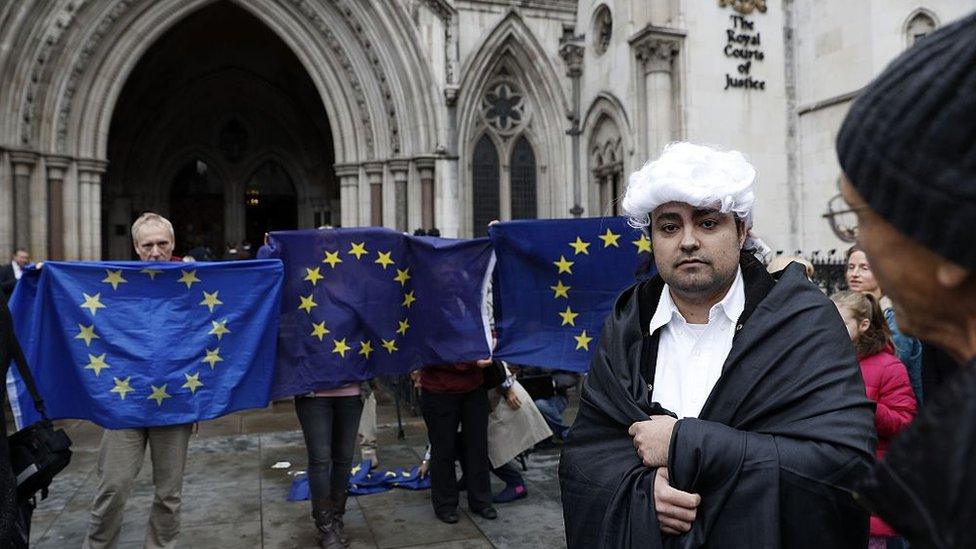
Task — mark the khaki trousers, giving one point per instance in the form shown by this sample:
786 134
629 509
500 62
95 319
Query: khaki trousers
367 429
119 461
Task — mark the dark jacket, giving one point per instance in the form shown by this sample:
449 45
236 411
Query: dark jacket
924 488
7 280
781 439
8 485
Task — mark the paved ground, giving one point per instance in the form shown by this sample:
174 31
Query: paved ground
232 496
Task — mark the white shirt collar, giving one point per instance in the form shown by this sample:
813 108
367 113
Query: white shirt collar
731 305
17 270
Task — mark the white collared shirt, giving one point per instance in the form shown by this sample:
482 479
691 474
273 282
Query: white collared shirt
18 272
690 356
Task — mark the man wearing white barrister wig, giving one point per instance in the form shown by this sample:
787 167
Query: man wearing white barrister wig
724 406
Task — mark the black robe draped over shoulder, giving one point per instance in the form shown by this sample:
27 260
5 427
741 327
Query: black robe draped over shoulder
784 435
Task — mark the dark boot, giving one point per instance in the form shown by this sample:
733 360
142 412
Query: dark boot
323 513
340 511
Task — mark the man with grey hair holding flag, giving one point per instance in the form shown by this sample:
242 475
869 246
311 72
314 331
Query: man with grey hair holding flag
724 406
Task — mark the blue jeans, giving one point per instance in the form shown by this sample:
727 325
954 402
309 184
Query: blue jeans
552 409
329 425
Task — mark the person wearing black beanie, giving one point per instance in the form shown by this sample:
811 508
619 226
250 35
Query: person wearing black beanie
908 152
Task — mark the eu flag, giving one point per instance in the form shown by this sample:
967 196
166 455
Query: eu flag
363 302
131 344
556 281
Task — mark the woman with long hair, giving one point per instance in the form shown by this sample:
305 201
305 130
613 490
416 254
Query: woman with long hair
860 278
885 381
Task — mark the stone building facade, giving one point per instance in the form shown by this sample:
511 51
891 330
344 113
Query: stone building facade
233 117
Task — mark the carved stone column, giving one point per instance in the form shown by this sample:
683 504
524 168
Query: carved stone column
374 172
57 166
6 204
23 168
571 51
90 199
655 49
400 170
348 175
425 167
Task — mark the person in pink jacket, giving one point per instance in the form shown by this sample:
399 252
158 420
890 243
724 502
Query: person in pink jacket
885 381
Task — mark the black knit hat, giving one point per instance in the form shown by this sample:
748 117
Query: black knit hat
908 144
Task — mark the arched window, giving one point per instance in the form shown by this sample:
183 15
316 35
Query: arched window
523 180
918 27
485 178
606 164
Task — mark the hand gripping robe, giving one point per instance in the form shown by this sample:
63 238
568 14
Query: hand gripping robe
784 434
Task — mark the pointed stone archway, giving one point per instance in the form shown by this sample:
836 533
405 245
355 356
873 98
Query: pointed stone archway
362 60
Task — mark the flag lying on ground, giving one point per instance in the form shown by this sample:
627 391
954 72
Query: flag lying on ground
358 303
555 283
363 481
131 344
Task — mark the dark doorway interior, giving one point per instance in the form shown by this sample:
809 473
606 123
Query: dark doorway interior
197 207
269 199
220 128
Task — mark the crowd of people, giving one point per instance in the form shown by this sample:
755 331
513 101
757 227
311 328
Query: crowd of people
730 402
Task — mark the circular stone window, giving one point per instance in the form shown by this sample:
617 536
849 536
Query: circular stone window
602 28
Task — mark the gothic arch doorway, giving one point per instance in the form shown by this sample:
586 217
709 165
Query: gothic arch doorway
212 101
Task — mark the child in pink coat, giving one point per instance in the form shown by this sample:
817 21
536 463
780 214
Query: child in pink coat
885 381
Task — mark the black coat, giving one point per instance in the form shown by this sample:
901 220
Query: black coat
8 486
7 280
781 439
925 487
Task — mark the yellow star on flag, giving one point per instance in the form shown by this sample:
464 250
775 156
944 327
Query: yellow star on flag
583 341
319 330
643 244
560 289
87 333
307 303
389 345
210 300
96 363
114 278
365 348
341 347
609 239
356 469
404 326
189 278
122 387
92 303
358 250
563 265
384 259
408 299
313 275
159 394
580 247
569 317
219 328
402 276
151 272
192 382
332 258
213 357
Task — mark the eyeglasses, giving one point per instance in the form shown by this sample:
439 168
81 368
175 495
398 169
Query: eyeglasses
843 218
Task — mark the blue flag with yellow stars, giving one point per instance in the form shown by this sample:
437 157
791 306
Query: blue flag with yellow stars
556 281
363 302
132 344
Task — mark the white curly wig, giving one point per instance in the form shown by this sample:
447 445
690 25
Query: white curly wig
698 175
